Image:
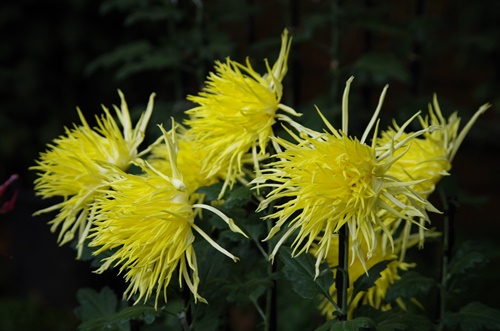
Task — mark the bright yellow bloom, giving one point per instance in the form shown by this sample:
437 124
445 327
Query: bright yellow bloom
429 156
331 179
77 165
148 221
236 111
189 160
376 294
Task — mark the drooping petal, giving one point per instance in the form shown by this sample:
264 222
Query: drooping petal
147 223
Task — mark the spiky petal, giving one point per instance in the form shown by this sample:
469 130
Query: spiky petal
235 113
78 164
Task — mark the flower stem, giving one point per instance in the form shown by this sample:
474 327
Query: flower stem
184 316
183 320
449 204
271 312
342 276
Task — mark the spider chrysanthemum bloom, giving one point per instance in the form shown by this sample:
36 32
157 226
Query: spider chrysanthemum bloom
189 159
236 111
148 223
78 164
329 180
424 160
429 156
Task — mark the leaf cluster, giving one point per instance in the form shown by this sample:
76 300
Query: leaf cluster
103 311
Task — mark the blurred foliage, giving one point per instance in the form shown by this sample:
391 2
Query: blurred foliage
77 53
31 314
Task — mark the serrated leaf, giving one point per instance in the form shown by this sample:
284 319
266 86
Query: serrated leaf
395 319
120 320
238 197
300 272
100 311
409 286
400 320
474 317
211 192
357 324
249 291
157 61
367 280
380 67
121 54
154 14
95 304
469 261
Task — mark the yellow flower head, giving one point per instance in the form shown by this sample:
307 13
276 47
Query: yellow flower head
426 159
189 160
78 164
236 111
449 137
331 179
376 294
429 156
148 222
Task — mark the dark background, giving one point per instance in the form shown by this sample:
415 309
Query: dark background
56 55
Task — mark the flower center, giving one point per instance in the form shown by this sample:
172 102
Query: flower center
350 174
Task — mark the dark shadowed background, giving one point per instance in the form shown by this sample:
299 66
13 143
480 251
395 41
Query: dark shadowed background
56 55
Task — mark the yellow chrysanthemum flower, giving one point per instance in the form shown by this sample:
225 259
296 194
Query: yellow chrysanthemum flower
236 111
77 165
429 156
331 179
376 294
148 222
425 160
189 160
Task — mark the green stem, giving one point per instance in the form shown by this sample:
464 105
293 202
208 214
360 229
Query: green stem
185 315
342 275
271 318
183 320
449 205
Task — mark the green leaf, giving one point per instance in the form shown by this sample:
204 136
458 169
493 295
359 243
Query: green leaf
357 324
300 271
367 280
100 311
395 319
464 263
238 197
154 14
95 304
248 291
409 286
380 68
401 320
120 320
211 192
474 317
122 54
